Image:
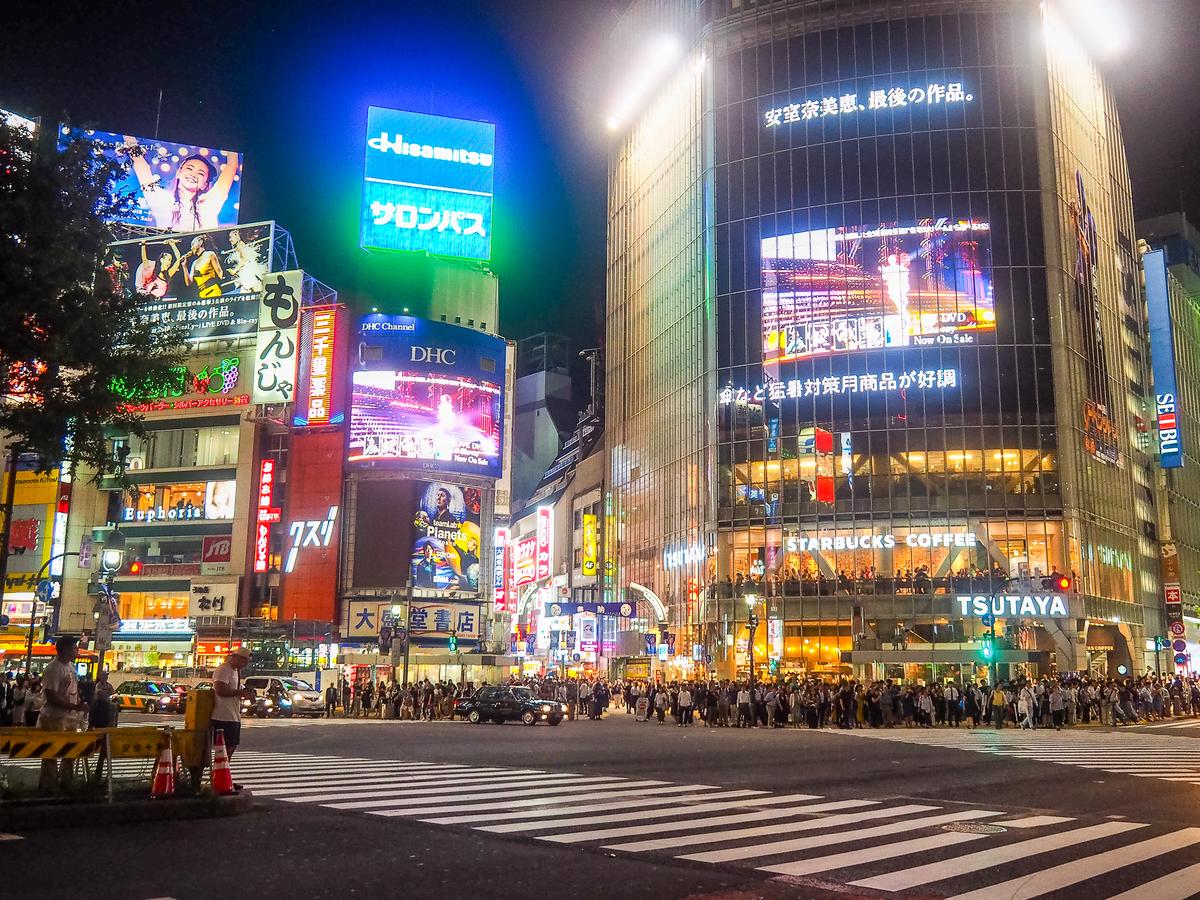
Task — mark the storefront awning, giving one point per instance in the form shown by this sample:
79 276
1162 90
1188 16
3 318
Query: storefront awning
1101 638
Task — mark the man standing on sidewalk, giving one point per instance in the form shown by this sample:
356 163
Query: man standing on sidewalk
64 710
227 706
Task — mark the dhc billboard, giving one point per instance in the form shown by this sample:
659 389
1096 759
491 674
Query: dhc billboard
427 184
1162 359
427 395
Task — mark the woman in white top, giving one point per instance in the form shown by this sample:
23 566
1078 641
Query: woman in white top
194 200
20 696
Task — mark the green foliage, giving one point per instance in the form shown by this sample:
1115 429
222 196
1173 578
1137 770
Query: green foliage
67 332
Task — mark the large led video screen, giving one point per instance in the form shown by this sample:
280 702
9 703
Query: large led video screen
174 186
836 290
427 184
427 395
446 538
209 282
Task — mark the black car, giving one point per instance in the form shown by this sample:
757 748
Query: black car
501 704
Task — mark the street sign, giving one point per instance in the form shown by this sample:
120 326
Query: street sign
45 590
1179 646
988 620
1177 628
1181 659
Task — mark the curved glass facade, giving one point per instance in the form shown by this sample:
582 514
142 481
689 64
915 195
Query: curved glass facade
927 380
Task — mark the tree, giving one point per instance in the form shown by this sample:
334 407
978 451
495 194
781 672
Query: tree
67 329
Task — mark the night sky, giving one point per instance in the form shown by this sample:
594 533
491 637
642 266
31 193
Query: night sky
288 84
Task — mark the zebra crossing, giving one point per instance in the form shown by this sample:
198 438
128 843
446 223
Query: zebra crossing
1174 723
887 845
1136 753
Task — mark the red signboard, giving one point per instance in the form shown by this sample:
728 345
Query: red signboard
321 388
216 552
263 508
1173 593
545 540
524 557
312 525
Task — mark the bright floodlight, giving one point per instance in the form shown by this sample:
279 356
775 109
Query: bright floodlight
1102 23
660 55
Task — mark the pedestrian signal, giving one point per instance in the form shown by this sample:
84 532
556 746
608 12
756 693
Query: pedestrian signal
453 644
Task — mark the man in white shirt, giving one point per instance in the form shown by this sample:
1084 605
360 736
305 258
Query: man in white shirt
227 708
64 711
743 704
685 706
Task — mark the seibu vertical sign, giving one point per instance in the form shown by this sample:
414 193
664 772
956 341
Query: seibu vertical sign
545 540
1162 360
321 387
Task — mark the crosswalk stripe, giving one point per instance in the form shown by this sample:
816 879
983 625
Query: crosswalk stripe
1058 877
367 773
617 790
590 787
873 854
382 781
919 876
777 828
693 824
775 848
359 792
1177 885
1034 821
592 808
539 787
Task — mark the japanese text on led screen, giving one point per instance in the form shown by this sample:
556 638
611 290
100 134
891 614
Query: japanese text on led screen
174 187
836 290
427 184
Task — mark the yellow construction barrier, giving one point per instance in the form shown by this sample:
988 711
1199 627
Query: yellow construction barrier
30 743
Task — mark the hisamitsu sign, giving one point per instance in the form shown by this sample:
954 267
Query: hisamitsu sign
1049 606
427 185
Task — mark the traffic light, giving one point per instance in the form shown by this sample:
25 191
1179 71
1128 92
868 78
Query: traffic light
986 646
1160 643
453 644
1061 583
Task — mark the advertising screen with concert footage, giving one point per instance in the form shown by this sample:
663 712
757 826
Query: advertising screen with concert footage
837 290
427 395
172 186
446 538
206 281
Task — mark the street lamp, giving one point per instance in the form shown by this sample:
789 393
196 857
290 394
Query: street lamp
113 553
752 625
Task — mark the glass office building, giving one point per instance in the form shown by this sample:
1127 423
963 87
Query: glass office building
876 344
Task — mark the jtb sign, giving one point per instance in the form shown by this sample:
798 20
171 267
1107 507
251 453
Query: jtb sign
427 184
1162 359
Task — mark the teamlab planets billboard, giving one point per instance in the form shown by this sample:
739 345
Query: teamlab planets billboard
427 395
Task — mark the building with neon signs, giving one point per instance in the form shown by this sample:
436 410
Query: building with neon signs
875 340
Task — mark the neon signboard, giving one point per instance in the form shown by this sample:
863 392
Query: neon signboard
545 540
310 533
1051 606
320 392
833 385
427 184
266 513
1162 360
500 570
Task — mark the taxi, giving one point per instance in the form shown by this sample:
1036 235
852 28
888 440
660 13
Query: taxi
148 697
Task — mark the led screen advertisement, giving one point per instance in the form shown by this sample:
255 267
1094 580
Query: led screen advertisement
208 282
446 544
427 184
837 290
1162 359
174 187
427 395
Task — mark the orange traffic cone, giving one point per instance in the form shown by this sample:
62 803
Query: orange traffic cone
222 777
164 775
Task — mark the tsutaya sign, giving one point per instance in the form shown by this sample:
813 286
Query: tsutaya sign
876 100
1049 606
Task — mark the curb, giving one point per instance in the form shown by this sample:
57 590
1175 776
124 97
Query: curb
67 815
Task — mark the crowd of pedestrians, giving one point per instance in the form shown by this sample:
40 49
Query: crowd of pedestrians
1047 702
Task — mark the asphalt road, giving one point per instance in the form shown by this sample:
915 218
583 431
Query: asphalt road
344 808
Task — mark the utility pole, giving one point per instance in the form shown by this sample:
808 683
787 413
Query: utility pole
10 493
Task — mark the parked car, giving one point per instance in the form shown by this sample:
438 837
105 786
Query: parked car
501 704
148 697
288 696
